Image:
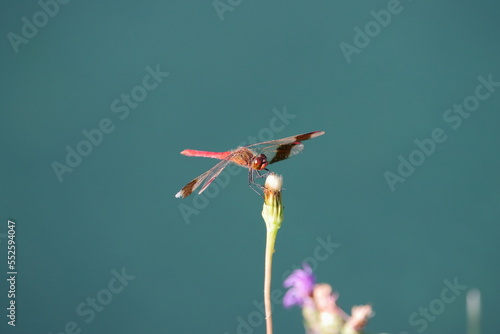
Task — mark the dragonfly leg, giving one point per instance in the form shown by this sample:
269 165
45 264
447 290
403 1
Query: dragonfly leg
251 182
266 173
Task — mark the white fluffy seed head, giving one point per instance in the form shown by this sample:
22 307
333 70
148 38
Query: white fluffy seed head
272 211
274 182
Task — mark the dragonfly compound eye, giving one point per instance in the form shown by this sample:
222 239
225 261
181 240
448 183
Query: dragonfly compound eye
260 162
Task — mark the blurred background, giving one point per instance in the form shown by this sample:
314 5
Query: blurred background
98 99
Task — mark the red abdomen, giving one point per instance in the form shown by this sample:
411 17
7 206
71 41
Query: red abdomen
206 154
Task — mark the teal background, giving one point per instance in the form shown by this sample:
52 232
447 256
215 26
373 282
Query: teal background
117 208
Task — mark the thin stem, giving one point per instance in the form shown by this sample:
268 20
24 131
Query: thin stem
270 241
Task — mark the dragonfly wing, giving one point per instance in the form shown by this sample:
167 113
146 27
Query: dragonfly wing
290 140
283 152
213 173
281 149
191 186
205 178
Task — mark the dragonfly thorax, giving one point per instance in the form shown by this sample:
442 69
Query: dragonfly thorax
259 162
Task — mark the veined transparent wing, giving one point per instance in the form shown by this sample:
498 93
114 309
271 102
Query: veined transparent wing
205 178
281 149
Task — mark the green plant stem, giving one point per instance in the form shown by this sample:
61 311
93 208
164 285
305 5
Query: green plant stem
270 241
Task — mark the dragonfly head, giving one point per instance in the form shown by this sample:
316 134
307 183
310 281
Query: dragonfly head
259 162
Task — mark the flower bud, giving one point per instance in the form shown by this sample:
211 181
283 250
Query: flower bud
272 211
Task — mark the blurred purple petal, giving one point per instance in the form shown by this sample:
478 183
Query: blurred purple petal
301 285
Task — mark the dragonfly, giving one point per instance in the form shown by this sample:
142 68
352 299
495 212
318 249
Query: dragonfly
255 157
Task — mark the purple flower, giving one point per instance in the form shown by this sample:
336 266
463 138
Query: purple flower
301 286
